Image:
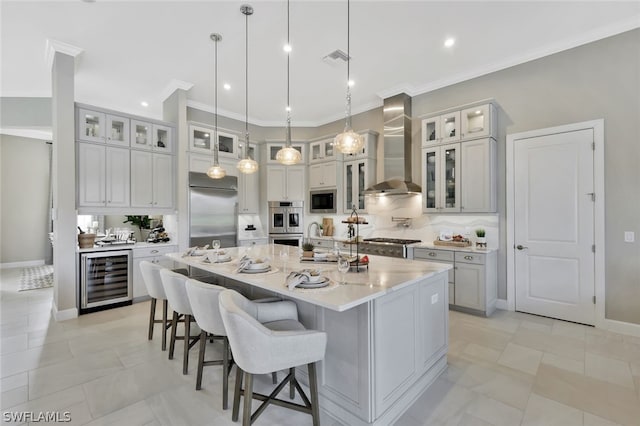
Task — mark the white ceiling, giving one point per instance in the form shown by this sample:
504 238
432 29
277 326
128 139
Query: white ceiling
134 51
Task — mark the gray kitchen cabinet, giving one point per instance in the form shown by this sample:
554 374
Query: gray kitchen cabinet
472 281
285 183
152 183
96 126
155 255
323 175
151 136
358 175
248 194
103 176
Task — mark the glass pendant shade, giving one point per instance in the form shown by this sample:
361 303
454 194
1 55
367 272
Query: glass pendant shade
216 172
348 142
288 156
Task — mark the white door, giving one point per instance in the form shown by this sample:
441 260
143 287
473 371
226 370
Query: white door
554 225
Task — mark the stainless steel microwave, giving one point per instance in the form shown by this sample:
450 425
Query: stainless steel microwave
323 201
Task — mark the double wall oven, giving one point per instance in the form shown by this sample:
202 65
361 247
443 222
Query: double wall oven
286 222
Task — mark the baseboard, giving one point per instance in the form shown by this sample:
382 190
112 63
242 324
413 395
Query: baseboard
24 264
64 315
622 327
502 304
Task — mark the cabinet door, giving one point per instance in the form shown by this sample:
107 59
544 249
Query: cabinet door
431 179
356 180
276 183
330 175
315 152
431 131
200 139
162 181
91 175
141 179
450 178
249 201
162 138
117 180
141 135
227 145
450 127
477 122
117 130
273 148
91 125
469 286
295 183
478 176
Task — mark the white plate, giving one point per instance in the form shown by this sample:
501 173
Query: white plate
262 265
256 271
319 284
221 259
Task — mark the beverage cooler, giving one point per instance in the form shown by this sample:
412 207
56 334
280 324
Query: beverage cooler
105 279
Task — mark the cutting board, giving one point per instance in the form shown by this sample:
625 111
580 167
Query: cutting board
327 226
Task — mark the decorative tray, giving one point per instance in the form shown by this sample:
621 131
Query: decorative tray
466 243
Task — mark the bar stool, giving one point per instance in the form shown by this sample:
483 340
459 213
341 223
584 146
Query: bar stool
151 277
174 288
262 343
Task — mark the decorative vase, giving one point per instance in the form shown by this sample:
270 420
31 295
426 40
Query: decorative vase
481 241
307 254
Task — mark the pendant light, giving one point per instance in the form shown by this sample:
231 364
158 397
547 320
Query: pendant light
246 165
215 171
348 142
288 155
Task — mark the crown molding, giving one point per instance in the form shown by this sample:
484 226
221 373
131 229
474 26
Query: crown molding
173 86
46 135
55 46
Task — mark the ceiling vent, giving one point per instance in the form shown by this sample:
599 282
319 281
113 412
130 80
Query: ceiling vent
335 57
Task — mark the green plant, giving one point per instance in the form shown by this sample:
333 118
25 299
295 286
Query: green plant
142 222
307 247
480 233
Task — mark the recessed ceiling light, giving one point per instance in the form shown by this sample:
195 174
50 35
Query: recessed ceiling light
287 48
227 86
449 42
144 104
351 83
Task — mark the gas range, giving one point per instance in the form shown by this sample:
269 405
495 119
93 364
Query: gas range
391 247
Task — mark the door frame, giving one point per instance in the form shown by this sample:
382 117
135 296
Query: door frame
599 224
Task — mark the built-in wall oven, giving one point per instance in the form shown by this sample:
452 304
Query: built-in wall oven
286 222
105 279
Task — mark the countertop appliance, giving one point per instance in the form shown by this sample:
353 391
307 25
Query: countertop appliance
213 210
391 247
105 279
323 201
286 222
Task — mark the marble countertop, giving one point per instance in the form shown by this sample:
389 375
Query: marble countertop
383 276
125 246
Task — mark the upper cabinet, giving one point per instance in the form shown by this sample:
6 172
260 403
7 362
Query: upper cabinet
369 148
274 147
320 151
201 139
285 183
474 122
151 136
95 126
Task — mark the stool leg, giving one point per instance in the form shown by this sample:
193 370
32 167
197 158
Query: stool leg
164 324
236 394
274 378
203 343
172 341
313 388
248 398
292 389
187 332
152 316
225 374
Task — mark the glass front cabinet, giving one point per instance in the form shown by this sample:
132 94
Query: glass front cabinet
441 178
274 147
321 151
358 176
201 140
100 127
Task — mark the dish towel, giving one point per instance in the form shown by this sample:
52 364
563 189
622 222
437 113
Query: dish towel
243 263
294 279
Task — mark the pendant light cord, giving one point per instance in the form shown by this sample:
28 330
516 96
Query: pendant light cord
288 130
216 146
348 106
246 86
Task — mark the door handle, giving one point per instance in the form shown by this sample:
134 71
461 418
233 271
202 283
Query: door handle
521 247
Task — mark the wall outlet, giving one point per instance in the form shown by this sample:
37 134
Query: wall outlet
434 299
629 236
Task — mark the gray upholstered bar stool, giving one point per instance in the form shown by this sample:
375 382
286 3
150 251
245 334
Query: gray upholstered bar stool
174 288
262 346
151 277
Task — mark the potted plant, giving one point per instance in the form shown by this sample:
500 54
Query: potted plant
481 240
307 250
143 223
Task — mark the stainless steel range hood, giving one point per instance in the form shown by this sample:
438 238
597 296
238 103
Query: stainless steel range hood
397 149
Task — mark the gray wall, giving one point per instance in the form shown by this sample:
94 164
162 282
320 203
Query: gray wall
597 80
24 198
25 113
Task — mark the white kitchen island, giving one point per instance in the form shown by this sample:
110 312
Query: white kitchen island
387 328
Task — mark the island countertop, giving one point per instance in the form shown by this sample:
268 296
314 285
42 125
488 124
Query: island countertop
383 275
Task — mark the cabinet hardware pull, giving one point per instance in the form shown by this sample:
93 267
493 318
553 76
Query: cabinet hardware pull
432 254
469 257
155 251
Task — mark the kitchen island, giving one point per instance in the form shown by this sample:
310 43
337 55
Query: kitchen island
387 327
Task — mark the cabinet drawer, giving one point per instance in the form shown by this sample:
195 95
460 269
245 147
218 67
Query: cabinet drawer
429 254
466 257
153 251
322 243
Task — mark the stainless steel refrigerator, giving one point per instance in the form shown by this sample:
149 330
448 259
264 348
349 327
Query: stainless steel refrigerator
213 210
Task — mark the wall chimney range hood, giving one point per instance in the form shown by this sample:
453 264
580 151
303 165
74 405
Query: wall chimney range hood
397 149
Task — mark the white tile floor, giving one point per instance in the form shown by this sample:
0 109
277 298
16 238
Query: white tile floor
510 369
